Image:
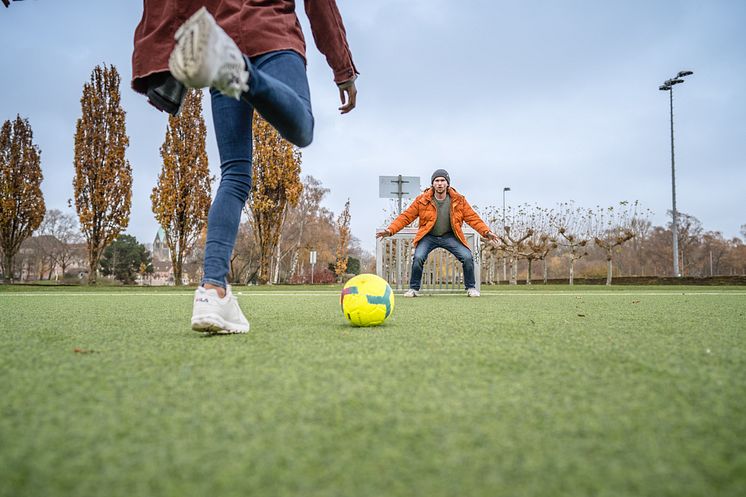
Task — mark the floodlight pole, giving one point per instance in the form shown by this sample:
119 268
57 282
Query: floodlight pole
674 213
668 86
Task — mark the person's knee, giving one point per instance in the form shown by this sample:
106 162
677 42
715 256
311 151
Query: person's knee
465 257
301 133
305 134
419 260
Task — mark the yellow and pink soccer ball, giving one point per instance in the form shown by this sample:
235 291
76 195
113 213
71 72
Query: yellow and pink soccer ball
367 300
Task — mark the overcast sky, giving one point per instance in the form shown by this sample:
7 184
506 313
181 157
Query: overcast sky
557 100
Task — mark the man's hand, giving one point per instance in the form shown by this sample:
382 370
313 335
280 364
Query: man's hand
347 95
383 234
492 239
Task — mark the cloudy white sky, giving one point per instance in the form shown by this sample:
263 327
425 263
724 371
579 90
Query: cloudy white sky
557 100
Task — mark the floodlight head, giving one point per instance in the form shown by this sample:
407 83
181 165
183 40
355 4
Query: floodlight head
671 82
684 73
506 189
664 88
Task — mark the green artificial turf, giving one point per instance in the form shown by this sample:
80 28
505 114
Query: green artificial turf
543 391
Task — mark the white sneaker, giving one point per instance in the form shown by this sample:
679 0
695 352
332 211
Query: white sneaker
211 314
205 56
411 293
472 292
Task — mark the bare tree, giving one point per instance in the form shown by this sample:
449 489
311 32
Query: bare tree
300 217
343 227
64 228
612 227
573 227
690 231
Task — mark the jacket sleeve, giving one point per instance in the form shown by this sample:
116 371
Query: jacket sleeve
331 38
472 219
405 218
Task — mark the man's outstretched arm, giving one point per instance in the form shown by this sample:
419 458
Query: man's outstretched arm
404 219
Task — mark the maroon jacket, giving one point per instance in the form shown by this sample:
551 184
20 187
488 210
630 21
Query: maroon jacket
257 27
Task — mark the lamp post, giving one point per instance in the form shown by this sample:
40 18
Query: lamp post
505 265
668 86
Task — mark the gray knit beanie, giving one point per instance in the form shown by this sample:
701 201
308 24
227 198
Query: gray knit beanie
441 173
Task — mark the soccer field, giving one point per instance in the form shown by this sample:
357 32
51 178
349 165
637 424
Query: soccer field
543 391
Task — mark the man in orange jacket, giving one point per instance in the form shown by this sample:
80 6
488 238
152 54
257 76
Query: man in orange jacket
441 210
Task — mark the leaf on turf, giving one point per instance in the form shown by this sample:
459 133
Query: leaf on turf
78 350
581 315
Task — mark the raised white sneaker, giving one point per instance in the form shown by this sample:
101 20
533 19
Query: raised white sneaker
211 314
205 56
411 293
472 292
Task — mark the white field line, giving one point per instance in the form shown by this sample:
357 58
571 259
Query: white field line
662 293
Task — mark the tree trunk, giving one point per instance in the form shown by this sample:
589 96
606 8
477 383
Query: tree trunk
572 269
293 264
513 271
608 272
276 272
177 269
545 270
92 273
528 272
8 267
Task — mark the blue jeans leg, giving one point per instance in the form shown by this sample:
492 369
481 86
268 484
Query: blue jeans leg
279 91
426 245
463 254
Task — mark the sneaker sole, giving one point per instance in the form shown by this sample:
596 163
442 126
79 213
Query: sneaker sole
187 61
216 325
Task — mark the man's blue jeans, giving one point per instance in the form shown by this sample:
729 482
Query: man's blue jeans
278 89
427 244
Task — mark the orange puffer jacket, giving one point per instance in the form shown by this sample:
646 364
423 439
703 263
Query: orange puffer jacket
424 207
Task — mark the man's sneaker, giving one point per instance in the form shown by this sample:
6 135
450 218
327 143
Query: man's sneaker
472 292
411 293
205 56
211 314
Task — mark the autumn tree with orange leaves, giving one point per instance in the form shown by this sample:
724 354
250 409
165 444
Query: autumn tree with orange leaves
181 200
21 201
103 176
276 186
343 226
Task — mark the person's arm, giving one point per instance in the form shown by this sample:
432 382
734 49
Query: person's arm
331 39
472 219
404 219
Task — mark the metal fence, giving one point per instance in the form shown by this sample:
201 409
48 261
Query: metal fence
442 271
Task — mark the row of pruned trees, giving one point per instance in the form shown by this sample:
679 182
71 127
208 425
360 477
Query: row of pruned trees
603 241
102 186
532 233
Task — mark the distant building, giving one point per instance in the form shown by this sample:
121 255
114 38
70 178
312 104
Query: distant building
160 250
161 260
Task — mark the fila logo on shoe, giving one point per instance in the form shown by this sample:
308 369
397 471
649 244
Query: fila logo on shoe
202 299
